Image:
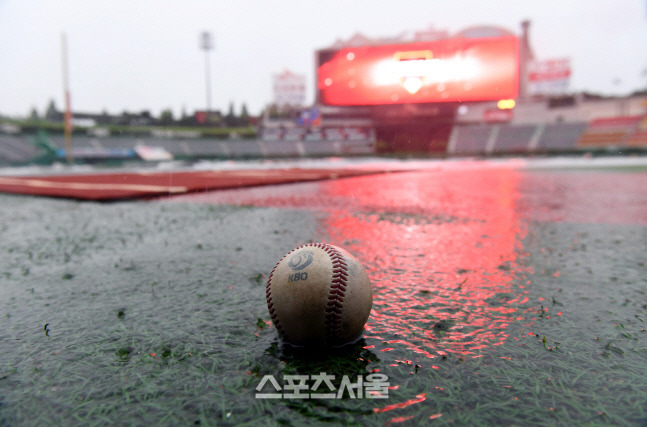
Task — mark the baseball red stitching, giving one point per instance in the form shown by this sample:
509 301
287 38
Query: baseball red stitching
336 295
270 304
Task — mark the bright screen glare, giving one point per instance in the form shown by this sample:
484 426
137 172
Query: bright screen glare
440 71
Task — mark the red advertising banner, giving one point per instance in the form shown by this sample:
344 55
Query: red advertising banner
552 69
494 116
549 77
468 69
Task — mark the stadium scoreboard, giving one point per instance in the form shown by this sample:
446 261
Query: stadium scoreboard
449 70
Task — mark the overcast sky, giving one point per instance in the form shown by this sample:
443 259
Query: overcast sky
144 54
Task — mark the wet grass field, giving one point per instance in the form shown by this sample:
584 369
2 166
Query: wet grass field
504 294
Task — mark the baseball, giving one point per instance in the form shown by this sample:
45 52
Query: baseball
319 295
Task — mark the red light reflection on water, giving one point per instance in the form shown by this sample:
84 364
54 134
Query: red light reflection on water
441 249
440 246
419 398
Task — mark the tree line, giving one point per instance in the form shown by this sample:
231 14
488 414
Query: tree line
145 118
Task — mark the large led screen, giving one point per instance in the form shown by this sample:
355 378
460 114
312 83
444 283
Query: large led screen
469 69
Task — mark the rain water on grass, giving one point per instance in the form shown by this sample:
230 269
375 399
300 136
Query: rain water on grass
496 301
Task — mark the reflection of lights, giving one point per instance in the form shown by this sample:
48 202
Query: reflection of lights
506 104
328 81
420 238
412 84
390 72
462 110
441 248
350 56
419 398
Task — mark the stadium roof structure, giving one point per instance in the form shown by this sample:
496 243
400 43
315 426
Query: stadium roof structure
429 34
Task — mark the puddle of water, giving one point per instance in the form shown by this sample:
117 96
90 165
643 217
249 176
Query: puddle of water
442 252
120 307
446 252
585 197
441 248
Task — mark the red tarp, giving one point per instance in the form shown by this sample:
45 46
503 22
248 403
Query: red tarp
128 185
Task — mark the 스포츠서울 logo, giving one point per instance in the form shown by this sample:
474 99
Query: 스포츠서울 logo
320 386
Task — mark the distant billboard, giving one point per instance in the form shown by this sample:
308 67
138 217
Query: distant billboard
289 89
549 77
208 117
496 115
451 70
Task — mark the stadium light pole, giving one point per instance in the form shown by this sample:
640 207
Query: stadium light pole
67 115
207 45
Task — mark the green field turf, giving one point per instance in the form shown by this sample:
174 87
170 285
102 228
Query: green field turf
154 313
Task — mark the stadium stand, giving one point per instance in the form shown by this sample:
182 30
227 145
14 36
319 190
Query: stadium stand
244 148
358 147
98 143
468 139
471 139
178 148
14 149
278 148
513 139
639 137
560 137
608 132
322 148
200 148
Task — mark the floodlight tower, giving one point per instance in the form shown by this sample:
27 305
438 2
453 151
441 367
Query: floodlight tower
67 115
206 44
